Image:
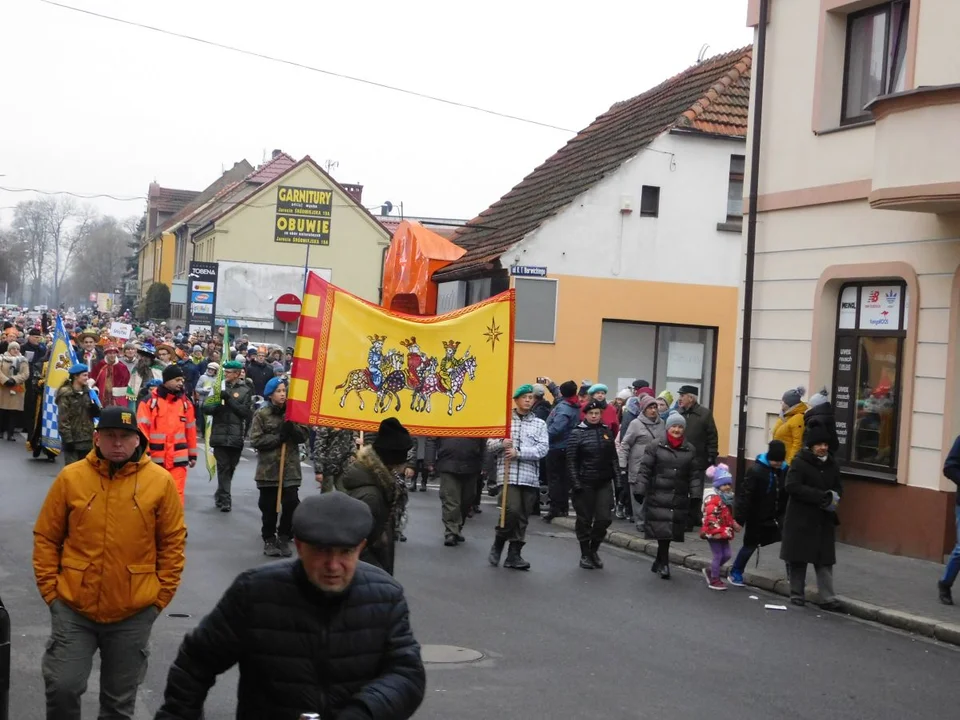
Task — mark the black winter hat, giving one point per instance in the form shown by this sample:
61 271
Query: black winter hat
593 405
171 372
393 441
815 434
637 384
568 389
776 451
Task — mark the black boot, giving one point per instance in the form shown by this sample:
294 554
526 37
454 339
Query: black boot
496 551
514 561
946 596
586 561
551 514
597 562
665 571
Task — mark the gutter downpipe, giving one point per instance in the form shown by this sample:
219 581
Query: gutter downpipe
751 241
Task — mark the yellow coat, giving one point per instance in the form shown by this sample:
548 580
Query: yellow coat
110 547
789 430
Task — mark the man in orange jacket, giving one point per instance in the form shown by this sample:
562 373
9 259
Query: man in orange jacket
108 552
167 419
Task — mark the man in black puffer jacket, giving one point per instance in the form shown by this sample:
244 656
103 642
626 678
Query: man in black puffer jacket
324 633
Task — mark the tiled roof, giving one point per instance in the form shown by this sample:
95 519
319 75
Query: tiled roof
230 177
709 97
170 200
233 195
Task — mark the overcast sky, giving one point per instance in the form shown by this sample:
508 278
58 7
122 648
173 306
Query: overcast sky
92 106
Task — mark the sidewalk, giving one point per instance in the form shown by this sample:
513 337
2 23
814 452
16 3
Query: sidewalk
889 589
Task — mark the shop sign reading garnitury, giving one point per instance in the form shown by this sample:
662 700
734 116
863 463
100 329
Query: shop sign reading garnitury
303 215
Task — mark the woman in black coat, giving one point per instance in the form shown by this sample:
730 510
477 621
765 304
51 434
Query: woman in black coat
592 467
669 476
809 528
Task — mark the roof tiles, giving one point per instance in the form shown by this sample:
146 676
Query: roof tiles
710 97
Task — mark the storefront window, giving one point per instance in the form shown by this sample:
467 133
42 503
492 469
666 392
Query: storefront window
666 356
869 351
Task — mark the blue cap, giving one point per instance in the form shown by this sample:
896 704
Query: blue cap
272 384
78 368
148 349
599 387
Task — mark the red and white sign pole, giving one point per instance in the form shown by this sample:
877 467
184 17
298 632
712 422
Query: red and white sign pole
287 310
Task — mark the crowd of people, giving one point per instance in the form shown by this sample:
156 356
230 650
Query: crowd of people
129 419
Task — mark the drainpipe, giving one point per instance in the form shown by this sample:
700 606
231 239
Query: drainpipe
758 66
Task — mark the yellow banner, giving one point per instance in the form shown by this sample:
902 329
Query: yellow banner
356 363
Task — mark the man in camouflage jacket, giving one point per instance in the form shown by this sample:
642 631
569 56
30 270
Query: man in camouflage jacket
333 450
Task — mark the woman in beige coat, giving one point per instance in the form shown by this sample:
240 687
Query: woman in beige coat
646 429
14 371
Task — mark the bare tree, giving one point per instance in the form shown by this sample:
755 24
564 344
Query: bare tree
13 261
30 225
101 258
68 226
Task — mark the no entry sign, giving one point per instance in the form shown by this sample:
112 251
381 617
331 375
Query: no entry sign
287 308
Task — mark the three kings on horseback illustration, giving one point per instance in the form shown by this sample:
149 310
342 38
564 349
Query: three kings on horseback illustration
386 375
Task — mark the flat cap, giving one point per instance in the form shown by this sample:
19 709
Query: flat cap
333 519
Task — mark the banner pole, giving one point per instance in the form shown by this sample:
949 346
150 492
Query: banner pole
283 460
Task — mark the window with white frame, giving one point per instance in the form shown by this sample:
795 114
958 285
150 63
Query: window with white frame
536 310
875 58
735 190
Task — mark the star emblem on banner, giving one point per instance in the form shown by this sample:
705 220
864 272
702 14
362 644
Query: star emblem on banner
493 333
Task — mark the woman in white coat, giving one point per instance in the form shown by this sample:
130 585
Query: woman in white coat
646 429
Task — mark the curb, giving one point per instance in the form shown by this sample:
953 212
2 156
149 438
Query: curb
918 624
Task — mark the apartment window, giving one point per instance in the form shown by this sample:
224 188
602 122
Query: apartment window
649 201
871 322
735 190
536 310
875 58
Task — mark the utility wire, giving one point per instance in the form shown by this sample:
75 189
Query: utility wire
303 66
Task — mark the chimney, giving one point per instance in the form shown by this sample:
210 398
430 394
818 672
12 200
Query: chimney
154 190
275 154
354 190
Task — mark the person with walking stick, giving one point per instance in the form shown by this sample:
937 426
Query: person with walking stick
277 442
518 462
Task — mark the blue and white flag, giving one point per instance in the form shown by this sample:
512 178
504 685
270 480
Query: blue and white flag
62 357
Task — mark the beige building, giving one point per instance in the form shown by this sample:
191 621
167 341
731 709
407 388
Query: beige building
857 284
263 229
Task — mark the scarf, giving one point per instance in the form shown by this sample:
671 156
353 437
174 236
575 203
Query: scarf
674 442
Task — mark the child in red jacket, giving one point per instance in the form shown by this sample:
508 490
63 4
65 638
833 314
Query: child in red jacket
718 524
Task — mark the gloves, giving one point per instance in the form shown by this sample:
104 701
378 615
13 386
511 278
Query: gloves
576 489
288 431
10 383
639 498
94 411
830 501
68 446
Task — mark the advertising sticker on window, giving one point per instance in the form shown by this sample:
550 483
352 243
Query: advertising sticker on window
880 307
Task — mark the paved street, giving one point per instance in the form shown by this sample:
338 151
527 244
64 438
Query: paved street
558 642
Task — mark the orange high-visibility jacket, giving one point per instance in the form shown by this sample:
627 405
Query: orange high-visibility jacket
171 429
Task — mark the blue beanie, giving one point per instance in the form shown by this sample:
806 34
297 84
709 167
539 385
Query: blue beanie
271 387
77 369
599 387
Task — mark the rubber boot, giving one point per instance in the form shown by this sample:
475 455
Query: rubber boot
586 557
514 561
597 562
496 551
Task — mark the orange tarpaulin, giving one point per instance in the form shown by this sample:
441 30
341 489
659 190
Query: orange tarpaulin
415 254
